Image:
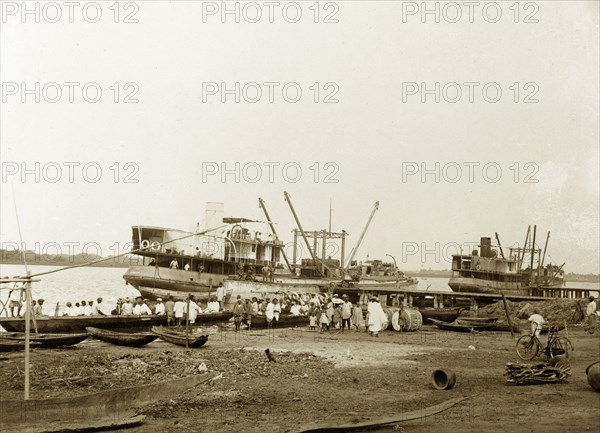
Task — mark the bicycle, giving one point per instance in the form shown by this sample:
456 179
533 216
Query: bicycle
530 346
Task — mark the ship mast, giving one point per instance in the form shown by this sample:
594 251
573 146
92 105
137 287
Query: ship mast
362 235
499 246
522 256
532 252
261 203
312 254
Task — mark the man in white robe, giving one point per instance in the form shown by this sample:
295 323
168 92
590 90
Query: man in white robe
376 317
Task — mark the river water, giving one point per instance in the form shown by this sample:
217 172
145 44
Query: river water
89 283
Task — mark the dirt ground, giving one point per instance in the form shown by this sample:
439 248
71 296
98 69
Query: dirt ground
344 377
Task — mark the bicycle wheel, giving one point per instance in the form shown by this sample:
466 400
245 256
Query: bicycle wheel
528 347
560 346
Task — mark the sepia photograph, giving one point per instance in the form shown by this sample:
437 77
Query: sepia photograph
299 216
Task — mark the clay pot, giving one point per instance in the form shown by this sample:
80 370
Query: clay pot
443 379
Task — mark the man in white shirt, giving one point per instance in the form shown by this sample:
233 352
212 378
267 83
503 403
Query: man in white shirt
141 308
174 264
179 309
212 306
98 308
220 295
159 308
269 312
69 310
295 309
194 309
14 304
86 309
187 267
590 312
537 321
127 308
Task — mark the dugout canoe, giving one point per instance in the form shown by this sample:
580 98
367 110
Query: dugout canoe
107 409
132 339
14 345
72 324
180 338
285 321
442 314
458 327
47 341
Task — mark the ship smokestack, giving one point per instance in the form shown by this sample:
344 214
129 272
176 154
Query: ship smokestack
486 247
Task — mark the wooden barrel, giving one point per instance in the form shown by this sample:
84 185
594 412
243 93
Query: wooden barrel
389 324
410 319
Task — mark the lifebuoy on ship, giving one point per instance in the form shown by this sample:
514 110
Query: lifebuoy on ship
478 267
145 243
155 246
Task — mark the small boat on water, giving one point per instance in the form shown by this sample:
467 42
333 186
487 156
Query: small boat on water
47 341
133 339
448 315
179 337
15 345
458 326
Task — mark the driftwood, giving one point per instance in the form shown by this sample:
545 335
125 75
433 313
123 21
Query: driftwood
536 374
407 416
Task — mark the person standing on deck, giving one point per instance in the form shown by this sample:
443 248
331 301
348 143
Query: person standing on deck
271 271
170 311
174 264
14 297
265 273
591 315
186 267
238 312
220 296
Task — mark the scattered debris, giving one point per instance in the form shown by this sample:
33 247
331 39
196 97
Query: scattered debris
535 374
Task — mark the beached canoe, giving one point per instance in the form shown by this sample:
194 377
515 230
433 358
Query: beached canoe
462 327
285 321
15 345
444 314
179 337
47 341
103 410
134 339
64 324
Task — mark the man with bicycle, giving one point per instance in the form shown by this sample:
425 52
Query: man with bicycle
537 321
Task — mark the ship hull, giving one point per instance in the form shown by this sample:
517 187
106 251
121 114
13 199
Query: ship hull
476 285
154 282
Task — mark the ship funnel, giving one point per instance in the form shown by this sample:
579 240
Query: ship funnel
214 215
486 247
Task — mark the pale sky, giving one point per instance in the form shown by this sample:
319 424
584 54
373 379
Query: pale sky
374 141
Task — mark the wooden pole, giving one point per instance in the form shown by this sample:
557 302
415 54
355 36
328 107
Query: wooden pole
261 203
522 256
27 332
512 334
533 250
187 323
545 246
362 235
